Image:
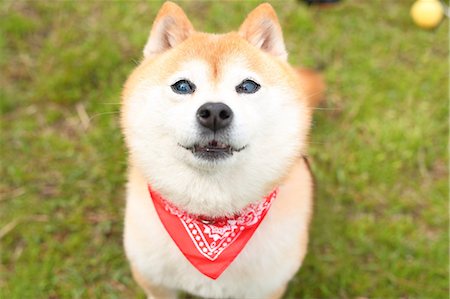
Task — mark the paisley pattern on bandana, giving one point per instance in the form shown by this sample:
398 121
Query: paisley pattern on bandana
210 244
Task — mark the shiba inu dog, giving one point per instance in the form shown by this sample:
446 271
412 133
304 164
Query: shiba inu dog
219 194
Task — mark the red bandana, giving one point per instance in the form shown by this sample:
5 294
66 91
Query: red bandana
210 244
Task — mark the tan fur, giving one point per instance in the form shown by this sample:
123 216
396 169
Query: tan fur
279 293
215 51
170 28
259 40
262 29
313 84
209 48
297 184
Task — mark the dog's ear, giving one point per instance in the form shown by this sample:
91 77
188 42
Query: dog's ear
262 29
170 28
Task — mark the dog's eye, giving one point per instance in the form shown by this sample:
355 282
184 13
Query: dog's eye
183 87
247 86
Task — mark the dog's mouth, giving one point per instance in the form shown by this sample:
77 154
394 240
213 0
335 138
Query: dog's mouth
213 150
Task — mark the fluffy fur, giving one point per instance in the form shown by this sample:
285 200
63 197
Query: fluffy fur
271 125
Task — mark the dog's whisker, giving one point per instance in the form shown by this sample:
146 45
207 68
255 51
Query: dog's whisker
326 109
311 95
103 113
317 142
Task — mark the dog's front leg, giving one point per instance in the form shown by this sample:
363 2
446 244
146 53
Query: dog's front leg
152 291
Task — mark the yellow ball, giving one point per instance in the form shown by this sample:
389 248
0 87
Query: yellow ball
427 13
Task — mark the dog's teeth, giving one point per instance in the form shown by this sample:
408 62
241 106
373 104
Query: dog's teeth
213 148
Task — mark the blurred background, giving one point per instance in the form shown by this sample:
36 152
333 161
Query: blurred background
378 145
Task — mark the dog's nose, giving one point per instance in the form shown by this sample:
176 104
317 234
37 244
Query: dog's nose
214 116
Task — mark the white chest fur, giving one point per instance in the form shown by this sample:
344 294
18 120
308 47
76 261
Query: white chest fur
269 260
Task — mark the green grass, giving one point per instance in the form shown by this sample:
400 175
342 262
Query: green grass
378 146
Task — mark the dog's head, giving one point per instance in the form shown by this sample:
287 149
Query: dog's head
213 121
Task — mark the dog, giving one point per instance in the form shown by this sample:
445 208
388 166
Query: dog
219 194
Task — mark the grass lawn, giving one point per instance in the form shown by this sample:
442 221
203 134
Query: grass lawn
378 146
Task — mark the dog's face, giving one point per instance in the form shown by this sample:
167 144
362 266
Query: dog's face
213 120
